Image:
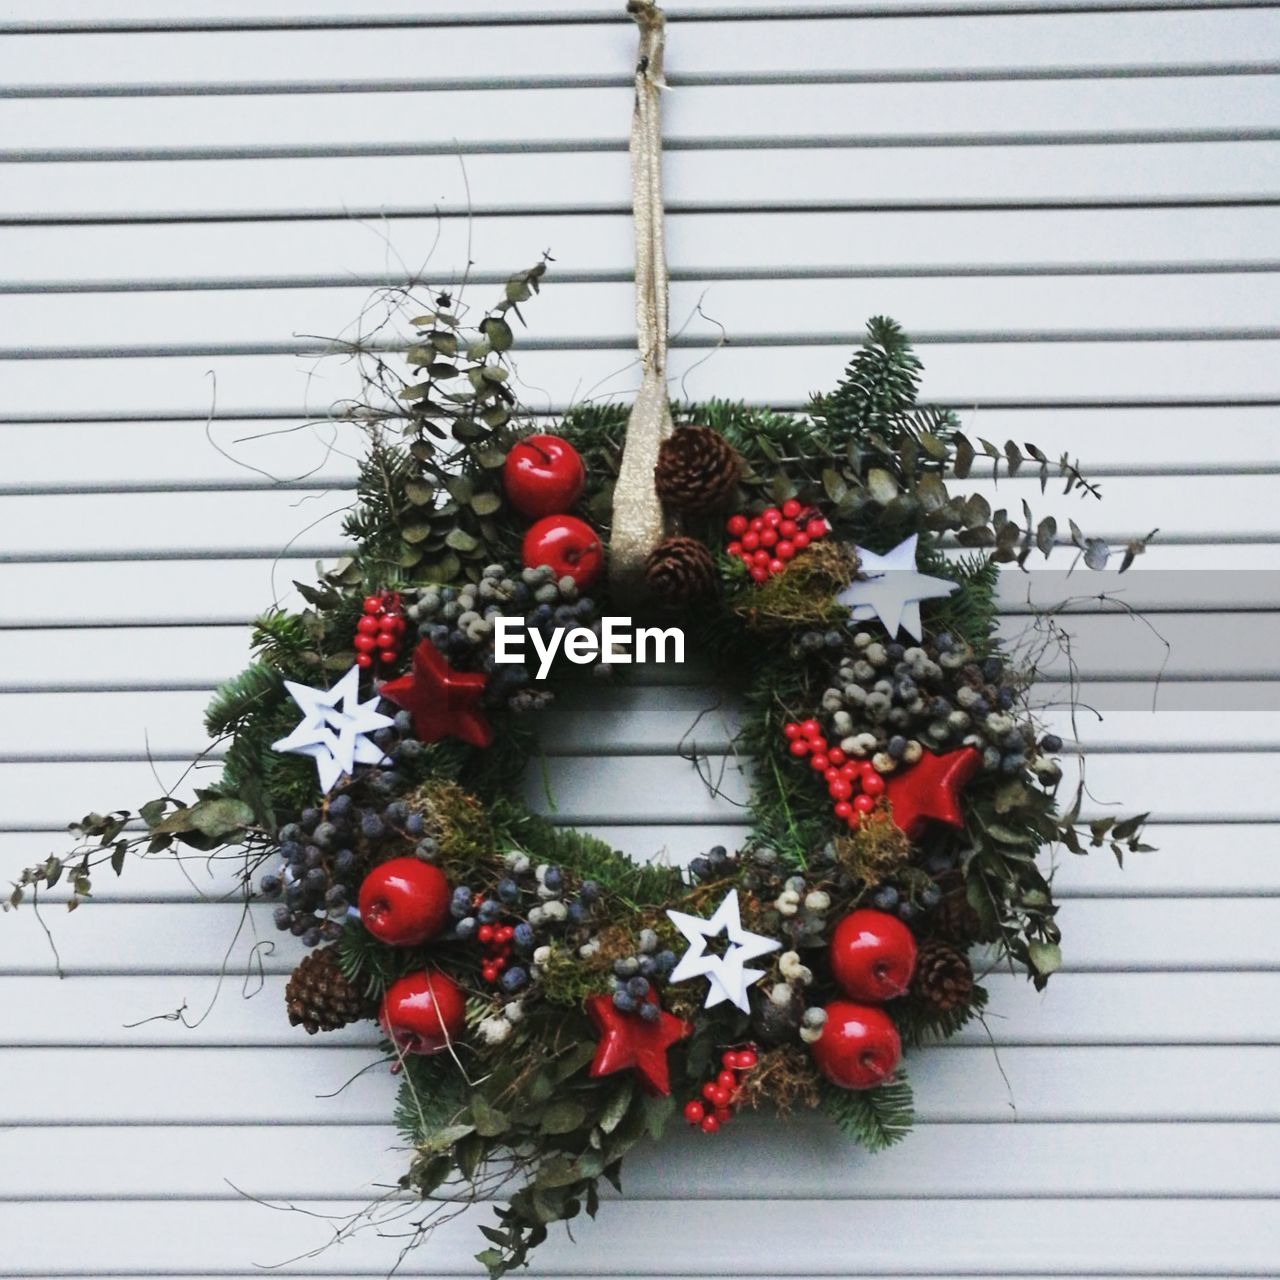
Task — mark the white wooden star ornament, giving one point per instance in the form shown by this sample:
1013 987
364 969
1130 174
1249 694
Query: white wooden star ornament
333 728
893 589
727 975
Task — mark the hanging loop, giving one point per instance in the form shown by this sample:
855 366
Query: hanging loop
638 523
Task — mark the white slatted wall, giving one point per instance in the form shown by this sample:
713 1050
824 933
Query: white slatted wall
1071 205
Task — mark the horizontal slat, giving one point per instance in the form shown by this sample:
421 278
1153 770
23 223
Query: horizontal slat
1041 308
1176 787
811 1159
309 522
626 720
954 1084
380 122
1192 860
706 178
777 48
1157 1237
137 456
61 15
213 592
1077 1009
1101 935
1230 372
840 243
1106 647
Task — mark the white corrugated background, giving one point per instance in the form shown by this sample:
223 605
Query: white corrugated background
1072 205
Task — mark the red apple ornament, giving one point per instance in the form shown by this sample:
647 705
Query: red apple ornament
859 1046
873 956
543 476
569 545
404 902
423 1012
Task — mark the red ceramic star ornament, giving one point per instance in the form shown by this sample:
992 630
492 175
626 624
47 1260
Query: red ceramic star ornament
930 790
627 1040
443 702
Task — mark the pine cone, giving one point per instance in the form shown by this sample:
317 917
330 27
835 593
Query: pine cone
697 470
943 977
680 571
319 997
956 921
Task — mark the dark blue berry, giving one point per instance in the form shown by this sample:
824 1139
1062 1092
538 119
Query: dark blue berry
290 831
489 911
309 818
340 806
508 891
885 898
415 824
553 879
650 1012
700 869
523 937
590 891
638 987
1051 744
623 1002
513 978
371 826
270 885
666 961
465 927
282 916
578 914
930 896
648 966
345 862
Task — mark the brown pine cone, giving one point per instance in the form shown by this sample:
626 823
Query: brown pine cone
943 976
319 997
956 921
680 571
697 470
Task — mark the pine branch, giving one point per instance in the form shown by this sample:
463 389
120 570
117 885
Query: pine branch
877 1118
919 1024
432 1092
255 690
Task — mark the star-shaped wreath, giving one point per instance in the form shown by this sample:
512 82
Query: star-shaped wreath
727 974
333 728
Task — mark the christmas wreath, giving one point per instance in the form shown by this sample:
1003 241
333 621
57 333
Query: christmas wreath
546 1001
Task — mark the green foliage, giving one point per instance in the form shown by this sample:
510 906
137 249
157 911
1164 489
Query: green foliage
433 1091
970 614
877 1118
919 1023
873 402
256 689
585 856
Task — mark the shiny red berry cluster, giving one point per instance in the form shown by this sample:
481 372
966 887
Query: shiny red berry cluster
380 630
718 1094
496 942
854 785
765 544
